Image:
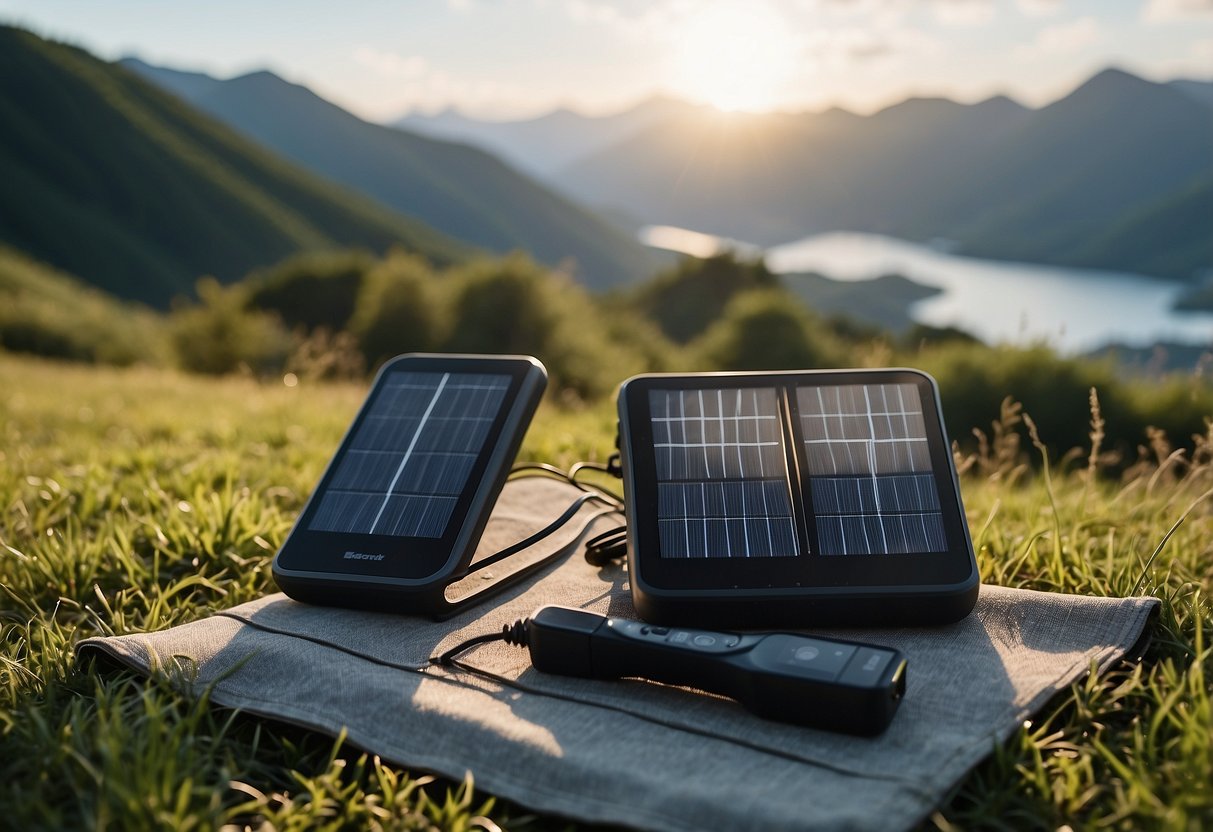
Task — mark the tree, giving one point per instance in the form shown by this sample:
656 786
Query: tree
397 310
767 329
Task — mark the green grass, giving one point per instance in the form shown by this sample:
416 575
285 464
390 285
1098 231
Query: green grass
137 499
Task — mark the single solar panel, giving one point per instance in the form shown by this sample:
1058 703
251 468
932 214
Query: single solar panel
409 460
400 509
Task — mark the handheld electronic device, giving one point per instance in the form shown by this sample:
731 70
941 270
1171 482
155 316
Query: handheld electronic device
793 499
398 512
836 685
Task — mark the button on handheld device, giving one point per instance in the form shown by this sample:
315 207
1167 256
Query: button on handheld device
835 685
400 509
793 499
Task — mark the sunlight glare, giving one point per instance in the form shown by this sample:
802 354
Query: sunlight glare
734 56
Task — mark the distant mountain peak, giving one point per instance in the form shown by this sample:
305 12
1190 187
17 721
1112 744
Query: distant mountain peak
1000 100
184 83
1113 80
837 112
1114 74
434 179
262 75
920 102
919 107
134 62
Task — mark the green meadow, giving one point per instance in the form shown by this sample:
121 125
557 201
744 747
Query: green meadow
138 498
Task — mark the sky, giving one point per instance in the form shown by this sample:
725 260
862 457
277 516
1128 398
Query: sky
509 59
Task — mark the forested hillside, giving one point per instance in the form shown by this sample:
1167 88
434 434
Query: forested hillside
128 188
460 190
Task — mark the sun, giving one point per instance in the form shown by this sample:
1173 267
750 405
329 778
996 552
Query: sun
734 55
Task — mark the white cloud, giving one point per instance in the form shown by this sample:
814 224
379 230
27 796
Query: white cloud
391 64
1040 8
1164 11
1202 52
963 12
840 48
1065 38
644 21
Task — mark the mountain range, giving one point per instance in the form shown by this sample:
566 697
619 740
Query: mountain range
1116 175
139 179
123 185
547 144
462 191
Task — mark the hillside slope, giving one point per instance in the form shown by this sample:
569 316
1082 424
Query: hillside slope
460 190
119 183
50 313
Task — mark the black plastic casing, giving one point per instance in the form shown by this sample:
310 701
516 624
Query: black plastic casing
572 642
413 576
750 594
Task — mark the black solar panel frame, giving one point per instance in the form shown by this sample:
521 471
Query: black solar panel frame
409 573
809 588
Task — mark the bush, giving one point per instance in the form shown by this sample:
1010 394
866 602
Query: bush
312 290
26 333
513 306
767 329
221 334
398 310
685 300
1055 392
1181 406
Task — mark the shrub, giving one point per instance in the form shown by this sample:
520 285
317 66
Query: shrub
767 329
513 306
312 290
398 309
220 334
1054 390
685 300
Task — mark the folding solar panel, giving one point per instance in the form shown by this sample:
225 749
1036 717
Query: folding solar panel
827 487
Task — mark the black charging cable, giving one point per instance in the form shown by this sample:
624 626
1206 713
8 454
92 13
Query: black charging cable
591 494
515 635
540 469
607 547
601 549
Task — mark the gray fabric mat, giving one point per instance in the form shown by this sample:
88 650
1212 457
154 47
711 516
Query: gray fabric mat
628 752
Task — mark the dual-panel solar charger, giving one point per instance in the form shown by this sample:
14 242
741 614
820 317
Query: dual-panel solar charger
793 499
396 518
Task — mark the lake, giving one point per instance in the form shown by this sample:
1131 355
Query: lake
1072 310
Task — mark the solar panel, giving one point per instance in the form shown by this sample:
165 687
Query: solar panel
409 459
723 488
722 474
399 511
792 498
871 481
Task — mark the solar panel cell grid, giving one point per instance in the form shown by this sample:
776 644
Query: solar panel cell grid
722 474
871 481
411 456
